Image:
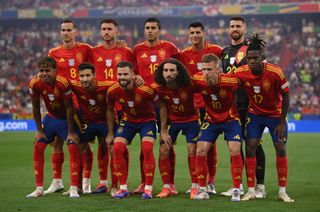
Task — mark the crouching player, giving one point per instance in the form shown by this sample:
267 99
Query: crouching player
218 92
56 94
138 117
91 95
174 87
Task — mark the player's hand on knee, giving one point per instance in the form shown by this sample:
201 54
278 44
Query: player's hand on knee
109 139
39 136
281 131
72 136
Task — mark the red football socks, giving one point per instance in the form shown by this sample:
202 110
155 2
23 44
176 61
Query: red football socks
148 162
212 162
165 171
57 159
251 164
103 161
75 173
38 162
192 169
87 161
201 170
119 162
282 169
236 170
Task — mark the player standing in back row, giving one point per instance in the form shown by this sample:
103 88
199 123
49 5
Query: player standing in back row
233 57
149 54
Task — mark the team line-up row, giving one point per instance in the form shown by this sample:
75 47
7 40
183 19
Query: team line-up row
172 92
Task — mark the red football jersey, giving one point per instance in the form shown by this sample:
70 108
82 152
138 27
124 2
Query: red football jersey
105 61
219 99
264 91
191 59
137 104
68 60
179 103
148 58
52 95
92 103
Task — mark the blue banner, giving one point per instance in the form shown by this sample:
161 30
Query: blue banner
29 125
17 125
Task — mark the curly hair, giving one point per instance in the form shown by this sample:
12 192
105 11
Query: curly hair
182 79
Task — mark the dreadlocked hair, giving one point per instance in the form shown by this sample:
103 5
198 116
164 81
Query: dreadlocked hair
256 42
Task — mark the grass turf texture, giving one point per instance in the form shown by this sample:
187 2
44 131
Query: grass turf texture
17 180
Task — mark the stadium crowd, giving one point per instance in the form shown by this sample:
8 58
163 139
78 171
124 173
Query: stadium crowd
47 4
294 47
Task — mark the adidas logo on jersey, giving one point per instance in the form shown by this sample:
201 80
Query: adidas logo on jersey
237 137
99 59
61 60
191 62
150 133
144 55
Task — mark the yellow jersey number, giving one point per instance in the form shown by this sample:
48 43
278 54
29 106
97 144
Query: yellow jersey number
109 73
153 68
257 98
177 108
216 105
94 109
73 73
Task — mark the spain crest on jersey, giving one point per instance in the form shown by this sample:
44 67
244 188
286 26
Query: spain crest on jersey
232 60
130 103
214 97
51 97
79 57
108 62
176 101
256 89
71 62
222 93
118 58
199 66
162 53
266 85
92 102
153 58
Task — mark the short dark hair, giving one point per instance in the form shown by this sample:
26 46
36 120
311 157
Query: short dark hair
108 21
196 24
124 64
85 65
152 19
69 21
208 58
47 62
182 79
238 18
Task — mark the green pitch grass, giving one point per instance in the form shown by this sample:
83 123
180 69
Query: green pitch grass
17 180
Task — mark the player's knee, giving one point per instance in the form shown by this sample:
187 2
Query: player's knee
201 151
147 149
163 152
281 152
119 148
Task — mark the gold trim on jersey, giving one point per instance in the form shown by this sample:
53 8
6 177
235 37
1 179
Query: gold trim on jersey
229 80
274 69
147 89
104 83
34 80
113 87
62 80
